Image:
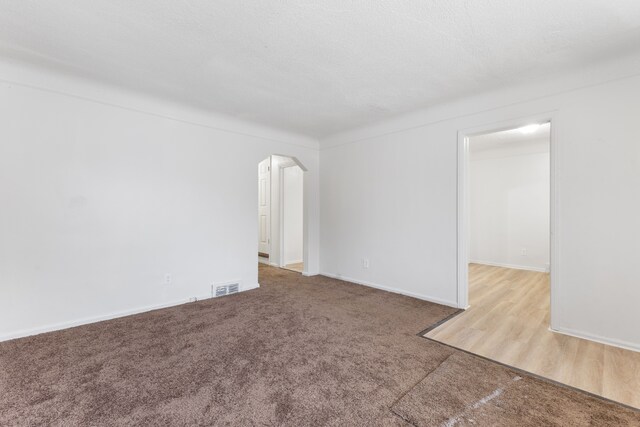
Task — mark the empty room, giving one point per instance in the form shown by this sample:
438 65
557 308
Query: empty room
308 213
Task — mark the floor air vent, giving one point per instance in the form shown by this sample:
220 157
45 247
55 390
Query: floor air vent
227 289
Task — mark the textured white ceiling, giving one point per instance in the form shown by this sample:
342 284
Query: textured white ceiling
317 66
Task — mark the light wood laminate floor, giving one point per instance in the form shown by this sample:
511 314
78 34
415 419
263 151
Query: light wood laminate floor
508 321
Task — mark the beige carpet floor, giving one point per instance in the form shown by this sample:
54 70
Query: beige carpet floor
296 351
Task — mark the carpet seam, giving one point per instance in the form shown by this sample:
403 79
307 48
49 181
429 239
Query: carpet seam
413 387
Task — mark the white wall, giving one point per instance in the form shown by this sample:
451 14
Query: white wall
389 193
509 205
293 214
104 191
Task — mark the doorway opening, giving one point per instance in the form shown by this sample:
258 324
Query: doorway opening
507 250
506 206
509 198
281 213
507 289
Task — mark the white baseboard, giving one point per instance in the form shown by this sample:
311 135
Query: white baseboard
599 339
514 266
391 289
114 315
308 274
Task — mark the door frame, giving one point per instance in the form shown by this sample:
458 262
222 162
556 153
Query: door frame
463 220
277 219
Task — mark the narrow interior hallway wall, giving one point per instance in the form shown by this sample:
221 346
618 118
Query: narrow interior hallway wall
293 214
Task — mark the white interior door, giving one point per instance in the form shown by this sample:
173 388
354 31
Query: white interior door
264 206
